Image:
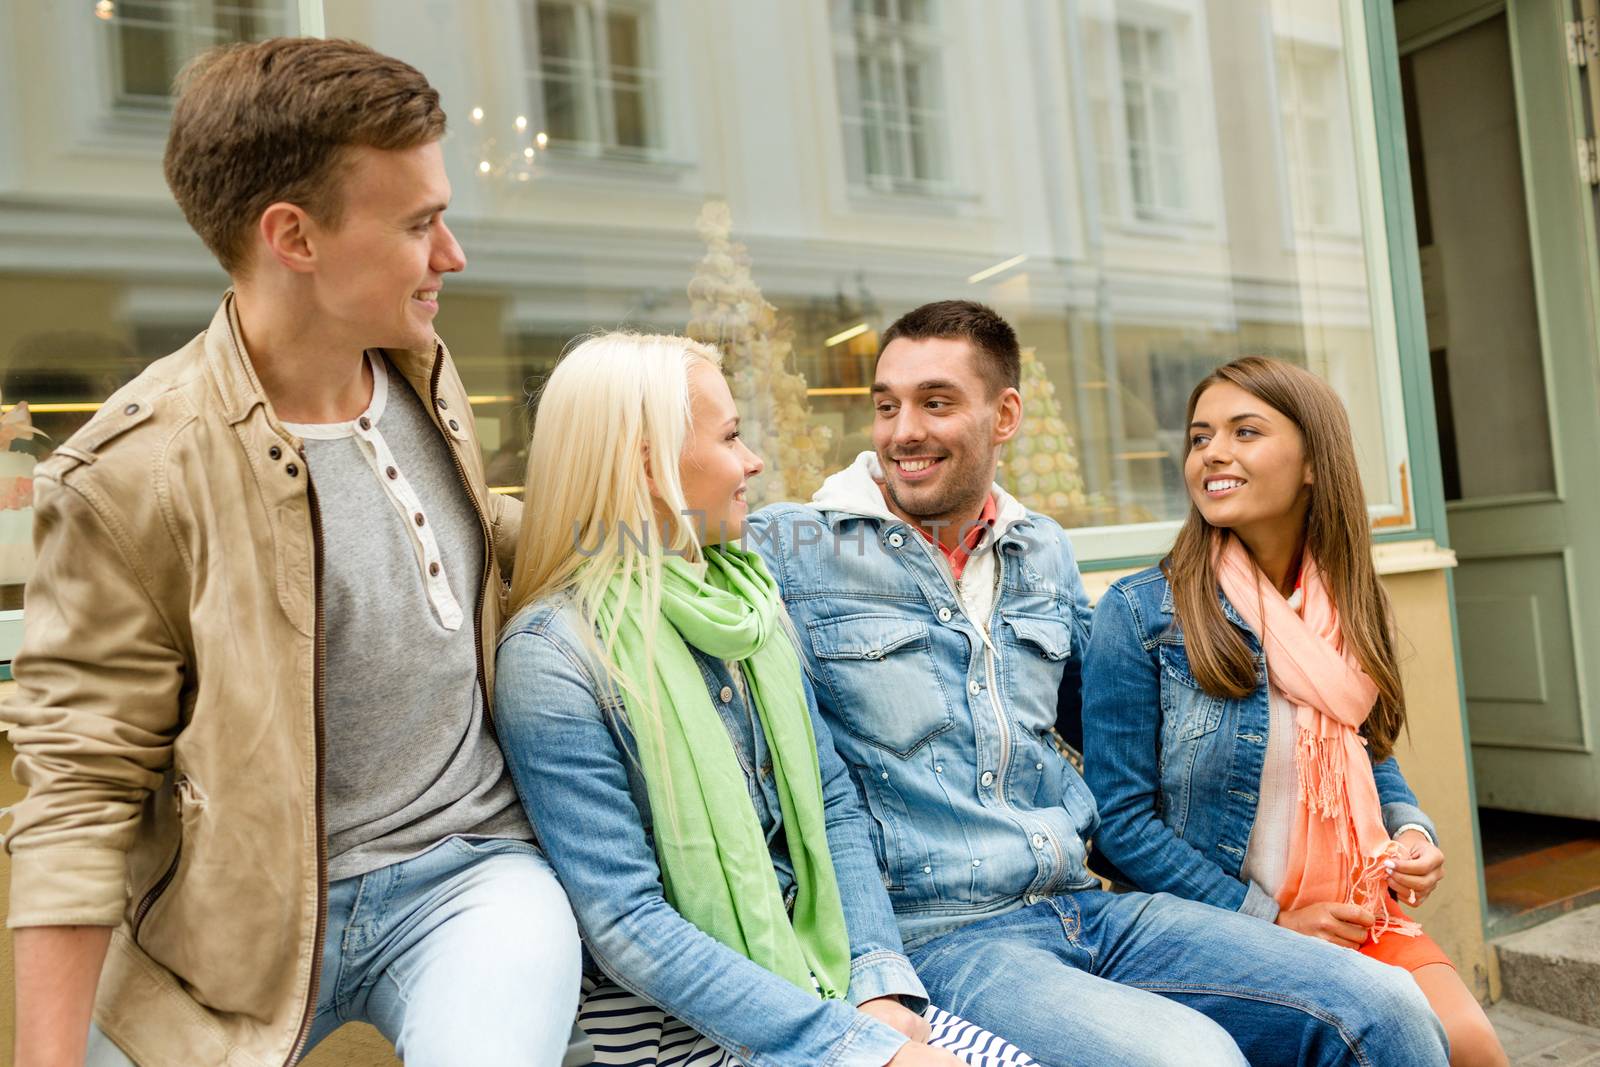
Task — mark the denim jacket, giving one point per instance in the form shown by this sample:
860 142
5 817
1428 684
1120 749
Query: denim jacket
1176 770
573 758
944 720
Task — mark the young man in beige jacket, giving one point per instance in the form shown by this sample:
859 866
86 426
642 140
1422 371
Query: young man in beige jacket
252 713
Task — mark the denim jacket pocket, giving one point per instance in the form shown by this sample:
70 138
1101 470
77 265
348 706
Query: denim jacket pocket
1187 711
1048 637
882 678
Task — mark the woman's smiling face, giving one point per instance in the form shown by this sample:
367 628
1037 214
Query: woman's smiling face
1247 467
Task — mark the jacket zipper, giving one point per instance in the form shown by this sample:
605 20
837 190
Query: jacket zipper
156 890
991 653
318 686
483 524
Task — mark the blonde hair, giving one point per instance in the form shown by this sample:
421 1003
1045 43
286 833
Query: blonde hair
613 403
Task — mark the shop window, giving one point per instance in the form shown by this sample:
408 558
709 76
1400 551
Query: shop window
887 55
593 77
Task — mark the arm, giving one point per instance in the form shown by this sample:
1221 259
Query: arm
95 713
878 966
1400 810
1122 738
1069 697
573 780
505 521
62 965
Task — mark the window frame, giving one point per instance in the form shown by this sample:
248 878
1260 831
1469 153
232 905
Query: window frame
593 80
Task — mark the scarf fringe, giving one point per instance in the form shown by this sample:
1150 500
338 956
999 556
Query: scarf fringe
1319 766
1370 890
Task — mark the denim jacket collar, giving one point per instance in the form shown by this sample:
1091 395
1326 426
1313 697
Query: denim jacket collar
1228 610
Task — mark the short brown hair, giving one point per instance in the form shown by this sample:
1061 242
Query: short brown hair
1000 360
258 123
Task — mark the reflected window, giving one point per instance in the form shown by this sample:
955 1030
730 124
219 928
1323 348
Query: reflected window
1152 110
151 40
1316 137
592 74
891 94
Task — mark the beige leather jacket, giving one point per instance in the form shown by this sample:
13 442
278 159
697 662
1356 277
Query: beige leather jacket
168 712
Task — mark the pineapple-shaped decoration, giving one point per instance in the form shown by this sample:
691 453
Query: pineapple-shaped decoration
1041 467
727 310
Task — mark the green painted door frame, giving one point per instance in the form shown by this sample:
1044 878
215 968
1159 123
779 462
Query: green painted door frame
1528 588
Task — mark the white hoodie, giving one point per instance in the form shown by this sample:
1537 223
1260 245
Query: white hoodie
858 490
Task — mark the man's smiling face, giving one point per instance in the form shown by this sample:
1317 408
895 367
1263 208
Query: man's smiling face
937 430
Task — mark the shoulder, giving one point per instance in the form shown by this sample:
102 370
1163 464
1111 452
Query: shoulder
1145 596
129 435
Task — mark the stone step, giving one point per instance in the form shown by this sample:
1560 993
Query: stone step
1555 967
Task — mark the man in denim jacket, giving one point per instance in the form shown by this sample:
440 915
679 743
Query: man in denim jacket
942 623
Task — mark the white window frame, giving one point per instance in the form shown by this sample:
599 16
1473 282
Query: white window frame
892 44
190 25
592 80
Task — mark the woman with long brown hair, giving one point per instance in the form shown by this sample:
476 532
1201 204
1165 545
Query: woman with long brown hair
1242 700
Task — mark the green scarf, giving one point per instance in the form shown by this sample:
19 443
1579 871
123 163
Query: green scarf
715 866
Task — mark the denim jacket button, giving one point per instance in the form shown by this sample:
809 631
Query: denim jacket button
944 614
726 694
987 779
1038 841
974 688
895 540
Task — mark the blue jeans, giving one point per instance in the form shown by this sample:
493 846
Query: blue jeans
467 953
1093 978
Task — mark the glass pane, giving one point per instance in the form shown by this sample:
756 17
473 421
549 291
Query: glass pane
1116 329
1483 320
149 60
628 109
622 38
563 103
558 32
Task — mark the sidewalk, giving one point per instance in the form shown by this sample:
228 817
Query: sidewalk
1534 1039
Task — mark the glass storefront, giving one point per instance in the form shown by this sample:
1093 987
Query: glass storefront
1146 188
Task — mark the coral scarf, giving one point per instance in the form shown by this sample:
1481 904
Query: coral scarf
1337 844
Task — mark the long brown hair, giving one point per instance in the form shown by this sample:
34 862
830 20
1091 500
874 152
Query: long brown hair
1337 537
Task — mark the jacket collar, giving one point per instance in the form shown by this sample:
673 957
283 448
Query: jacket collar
1228 610
856 492
235 376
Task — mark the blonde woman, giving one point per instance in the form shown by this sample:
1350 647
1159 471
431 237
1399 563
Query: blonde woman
666 744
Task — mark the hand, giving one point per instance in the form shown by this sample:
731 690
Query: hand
914 1054
890 1010
1341 924
1417 870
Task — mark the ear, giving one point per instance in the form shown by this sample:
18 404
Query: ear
287 232
649 471
1310 477
1008 420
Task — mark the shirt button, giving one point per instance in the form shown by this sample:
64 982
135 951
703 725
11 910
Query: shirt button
1038 766
926 869
974 688
418 519
392 473
938 768
433 569
895 540
1038 841
987 779
977 863
726 694
944 614
884 776
365 423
